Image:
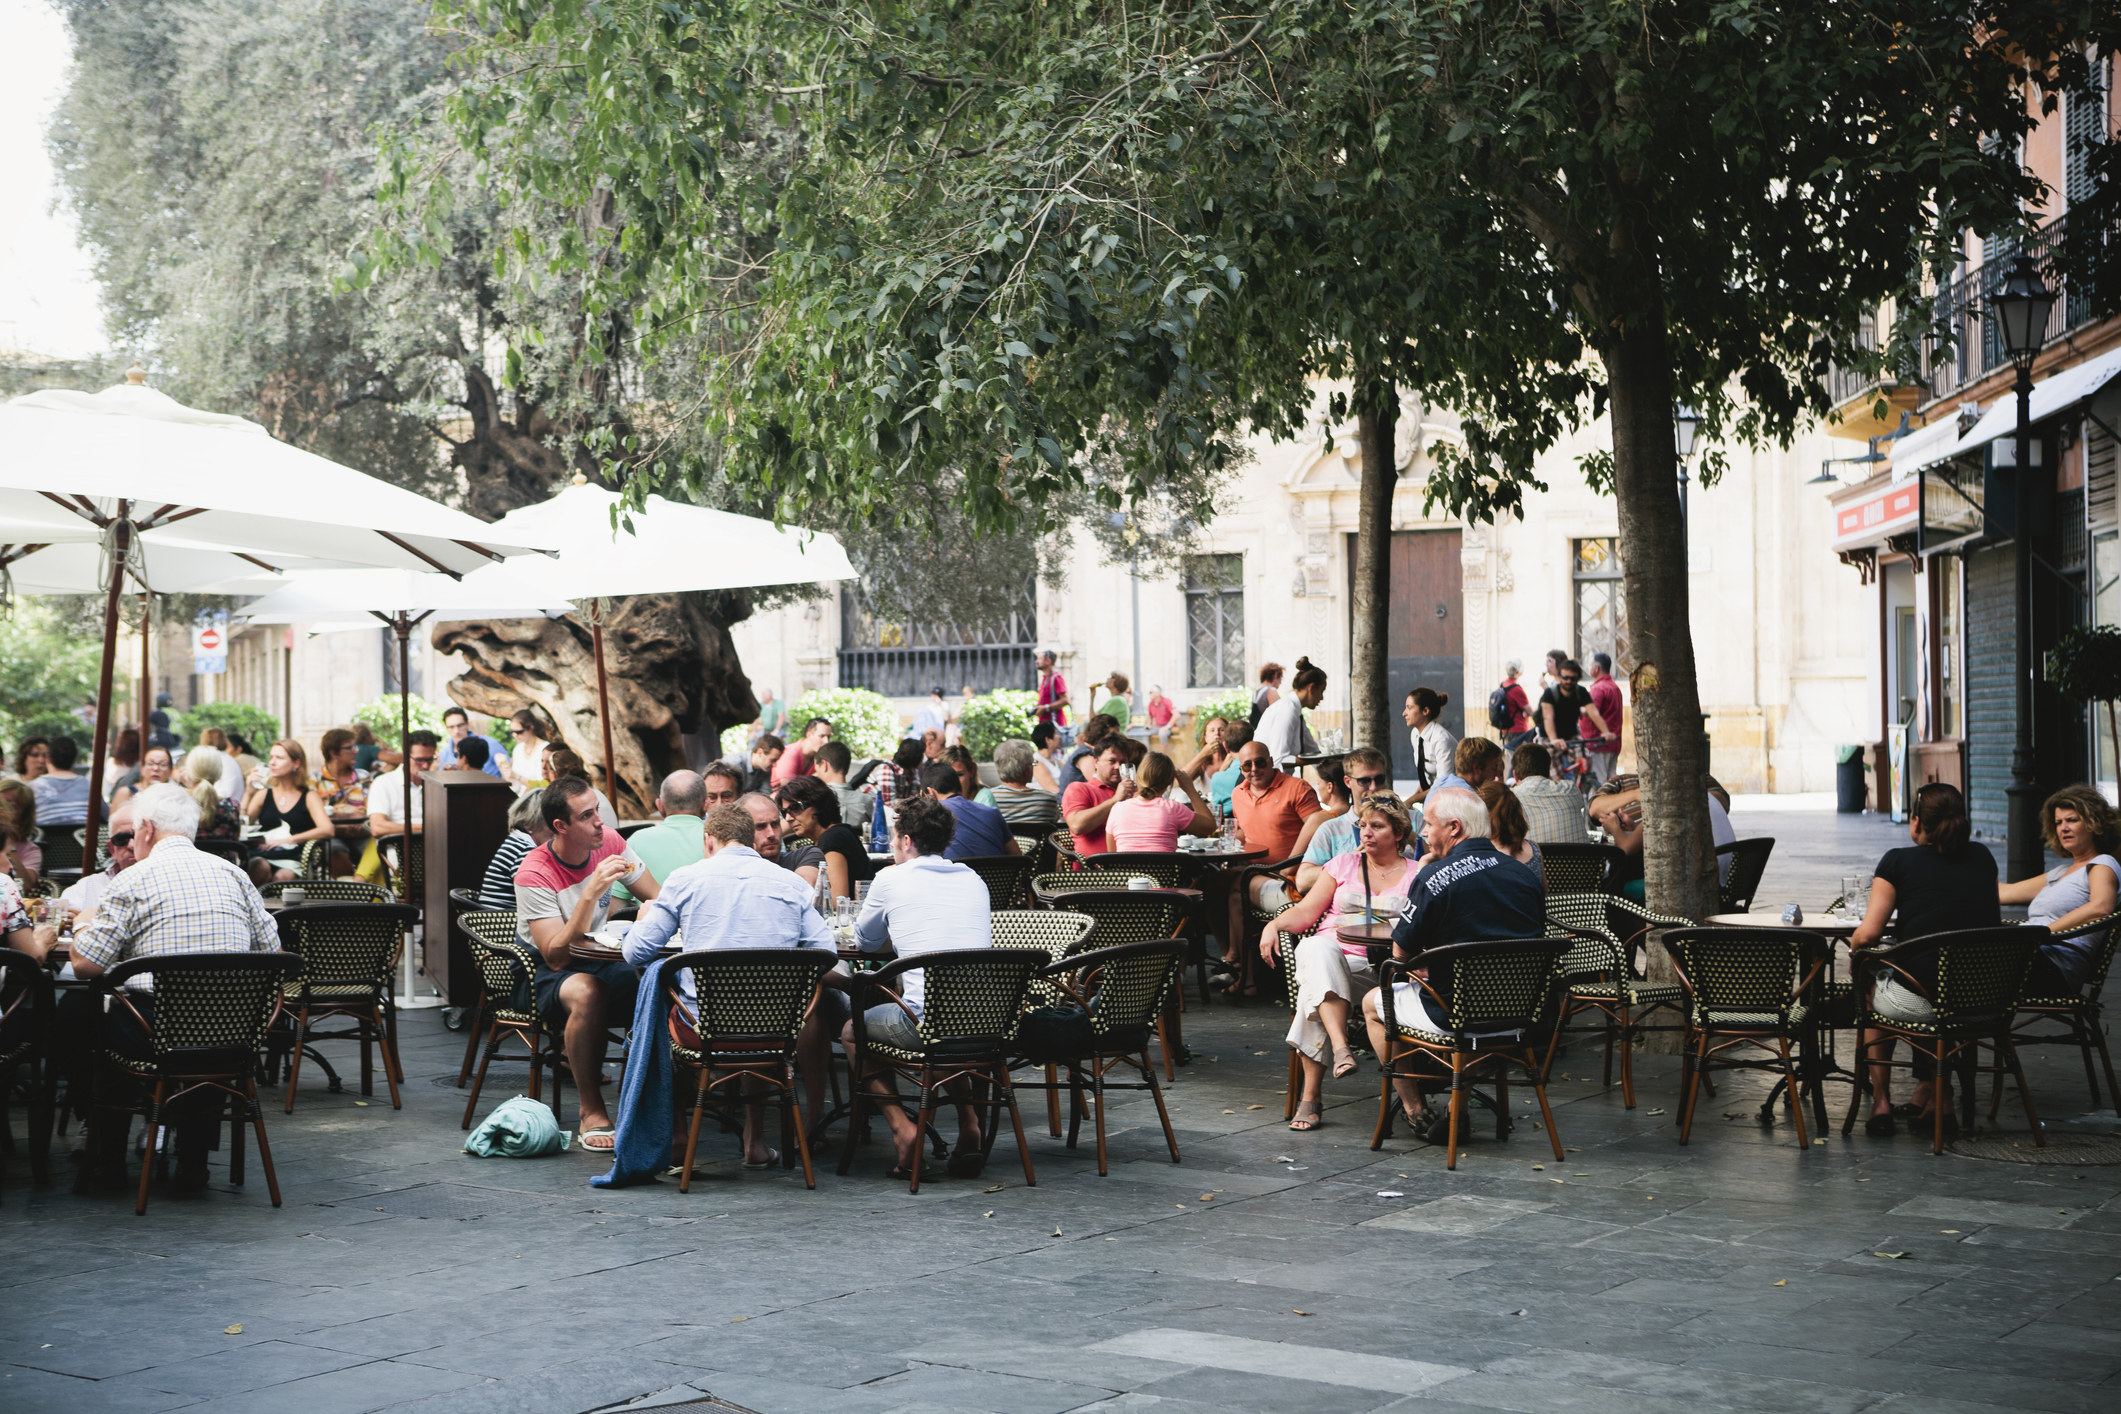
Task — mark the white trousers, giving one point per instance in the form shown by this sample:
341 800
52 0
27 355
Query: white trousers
1323 970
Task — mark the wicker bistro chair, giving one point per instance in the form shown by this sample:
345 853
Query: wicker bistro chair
212 1011
2079 1012
749 1009
1604 974
1751 988
1748 863
1121 915
972 1001
348 952
1980 972
1121 992
1358 1034
1007 876
26 1002
1057 933
1062 842
1503 1001
347 890
507 1005
408 867
315 862
62 849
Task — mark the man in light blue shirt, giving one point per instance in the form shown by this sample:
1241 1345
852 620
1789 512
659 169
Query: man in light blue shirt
1366 770
732 898
456 724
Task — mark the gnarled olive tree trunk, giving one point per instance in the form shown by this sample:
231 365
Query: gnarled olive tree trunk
674 679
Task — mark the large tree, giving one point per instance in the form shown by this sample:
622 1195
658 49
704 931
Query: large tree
1019 239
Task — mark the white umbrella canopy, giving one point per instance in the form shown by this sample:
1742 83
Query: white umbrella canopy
129 468
670 549
78 567
330 601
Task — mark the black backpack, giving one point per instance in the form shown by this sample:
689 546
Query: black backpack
1501 712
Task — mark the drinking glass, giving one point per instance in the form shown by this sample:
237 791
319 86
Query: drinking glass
1848 893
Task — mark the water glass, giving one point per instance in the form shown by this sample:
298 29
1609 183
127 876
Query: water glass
1848 894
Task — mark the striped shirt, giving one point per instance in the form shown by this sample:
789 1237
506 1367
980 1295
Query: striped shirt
497 888
179 899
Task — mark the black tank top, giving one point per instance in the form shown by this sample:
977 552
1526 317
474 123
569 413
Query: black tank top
297 820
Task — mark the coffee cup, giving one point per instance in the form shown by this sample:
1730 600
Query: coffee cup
1139 882
294 894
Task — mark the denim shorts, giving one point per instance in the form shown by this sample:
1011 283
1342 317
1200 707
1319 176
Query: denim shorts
890 1025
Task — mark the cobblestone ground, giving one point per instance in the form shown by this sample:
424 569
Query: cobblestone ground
1270 1271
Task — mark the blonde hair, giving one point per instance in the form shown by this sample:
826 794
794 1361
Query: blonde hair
1387 807
1155 775
202 767
2091 808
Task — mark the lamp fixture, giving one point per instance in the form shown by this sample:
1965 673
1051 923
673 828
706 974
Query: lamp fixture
1686 428
2020 308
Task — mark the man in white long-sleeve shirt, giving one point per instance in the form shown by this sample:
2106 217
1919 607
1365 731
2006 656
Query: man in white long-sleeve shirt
1281 727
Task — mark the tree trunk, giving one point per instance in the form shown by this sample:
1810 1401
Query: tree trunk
1376 418
673 673
1679 858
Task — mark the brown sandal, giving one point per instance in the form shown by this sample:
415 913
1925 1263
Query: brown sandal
1309 1115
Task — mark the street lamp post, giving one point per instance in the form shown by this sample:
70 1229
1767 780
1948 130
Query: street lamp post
1686 426
2020 309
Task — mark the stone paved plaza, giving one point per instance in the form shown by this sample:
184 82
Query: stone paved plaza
1271 1271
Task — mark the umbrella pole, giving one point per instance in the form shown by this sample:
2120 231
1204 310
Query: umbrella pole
121 548
402 626
408 998
596 638
147 695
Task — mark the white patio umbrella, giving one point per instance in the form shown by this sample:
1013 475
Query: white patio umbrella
670 548
334 601
131 470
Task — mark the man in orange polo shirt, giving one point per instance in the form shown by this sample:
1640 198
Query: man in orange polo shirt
1271 808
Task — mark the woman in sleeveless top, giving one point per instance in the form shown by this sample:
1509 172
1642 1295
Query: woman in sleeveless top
279 794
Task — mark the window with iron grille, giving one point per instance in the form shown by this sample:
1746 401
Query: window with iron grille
1601 602
1215 620
904 657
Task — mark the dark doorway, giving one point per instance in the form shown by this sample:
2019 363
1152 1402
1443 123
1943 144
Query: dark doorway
1425 645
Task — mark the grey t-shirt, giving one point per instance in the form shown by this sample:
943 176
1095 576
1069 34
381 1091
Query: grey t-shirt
2067 890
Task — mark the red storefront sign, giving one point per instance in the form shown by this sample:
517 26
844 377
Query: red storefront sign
1869 519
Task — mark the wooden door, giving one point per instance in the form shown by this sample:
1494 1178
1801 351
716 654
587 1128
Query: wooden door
1425 645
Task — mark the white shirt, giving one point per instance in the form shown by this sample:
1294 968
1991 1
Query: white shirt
927 905
527 762
386 797
1283 732
230 786
1433 747
89 892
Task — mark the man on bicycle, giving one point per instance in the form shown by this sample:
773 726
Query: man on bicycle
1561 706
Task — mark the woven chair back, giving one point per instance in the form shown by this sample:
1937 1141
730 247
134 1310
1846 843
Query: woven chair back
504 963
1169 870
1748 863
1053 932
1063 842
211 1009
971 999
2103 957
412 868
1503 985
1742 974
1130 985
1045 887
1123 915
1575 868
346 944
1007 877
748 998
62 848
329 890
1979 973
315 860
103 844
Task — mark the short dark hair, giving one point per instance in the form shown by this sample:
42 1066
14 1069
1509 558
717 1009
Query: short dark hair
731 823
808 792
726 771
65 751
1043 733
769 742
452 710
940 777
423 738
1604 661
1531 760
556 801
1475 753
473 752
1570 665
909 754
813 722
928 824
836 755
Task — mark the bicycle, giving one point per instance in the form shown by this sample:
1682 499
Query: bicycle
1572 763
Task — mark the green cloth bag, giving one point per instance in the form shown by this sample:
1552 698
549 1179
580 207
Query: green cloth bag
519 1128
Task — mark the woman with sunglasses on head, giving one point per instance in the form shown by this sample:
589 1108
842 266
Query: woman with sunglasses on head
1366 886
156 767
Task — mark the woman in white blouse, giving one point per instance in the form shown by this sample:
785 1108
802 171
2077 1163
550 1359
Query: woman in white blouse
1433 742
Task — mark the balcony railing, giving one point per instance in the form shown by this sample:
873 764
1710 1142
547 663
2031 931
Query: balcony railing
1963 345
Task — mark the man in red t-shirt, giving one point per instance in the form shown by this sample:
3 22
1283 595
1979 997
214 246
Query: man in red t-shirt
1520 729
1052 696
1086 803
1606 702
563 894
798 759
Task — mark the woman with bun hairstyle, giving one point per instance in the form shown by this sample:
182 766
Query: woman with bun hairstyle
1940 883
1433 743
1282 729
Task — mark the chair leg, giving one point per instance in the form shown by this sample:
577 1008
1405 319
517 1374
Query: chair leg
1859 1083
1097 1098
692 1134
1163 1046
1016 1120
2008 1054
147 1160
294 1060
493 1044
1627 1058
388 1043
1937 1102
1458 1108
1693 1089
1053 1100
1789 1073
2091 1077
1296 1072
1156 1093
921 1122
257 1120
1546 1111
2098 1038
472 1026
366 1042
794 1100
1385 1099
236 1116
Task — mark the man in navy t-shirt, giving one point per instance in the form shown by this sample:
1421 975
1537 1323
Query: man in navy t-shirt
1465 890
981 830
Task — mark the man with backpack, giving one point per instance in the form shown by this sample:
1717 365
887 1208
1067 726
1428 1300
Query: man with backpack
1509 709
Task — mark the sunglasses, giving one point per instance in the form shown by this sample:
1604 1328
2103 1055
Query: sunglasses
1259 765
1371 781
121 839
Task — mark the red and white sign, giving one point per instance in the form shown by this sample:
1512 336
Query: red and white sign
1869 519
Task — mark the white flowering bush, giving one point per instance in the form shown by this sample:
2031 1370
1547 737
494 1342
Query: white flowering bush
865 720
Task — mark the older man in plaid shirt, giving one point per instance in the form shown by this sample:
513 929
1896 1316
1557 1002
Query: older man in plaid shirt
177 899
1553 810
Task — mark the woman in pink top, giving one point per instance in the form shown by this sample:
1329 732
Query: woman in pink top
1368 885
1150 821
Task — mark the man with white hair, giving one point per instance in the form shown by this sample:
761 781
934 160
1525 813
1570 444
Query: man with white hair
175 900
1465 890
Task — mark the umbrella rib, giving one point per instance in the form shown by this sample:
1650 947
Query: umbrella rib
415 550
261 564
80 506
498 558
9 554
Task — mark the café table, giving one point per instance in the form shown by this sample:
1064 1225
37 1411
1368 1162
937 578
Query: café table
1838 1002
1219 868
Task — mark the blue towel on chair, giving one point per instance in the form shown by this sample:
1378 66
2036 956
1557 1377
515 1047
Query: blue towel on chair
642 1144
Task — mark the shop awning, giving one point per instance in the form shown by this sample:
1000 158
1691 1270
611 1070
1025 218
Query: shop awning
1924 447
1869 514
2052 396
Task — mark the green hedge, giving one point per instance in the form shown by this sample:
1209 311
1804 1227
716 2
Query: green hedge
381 716
991 720
255 725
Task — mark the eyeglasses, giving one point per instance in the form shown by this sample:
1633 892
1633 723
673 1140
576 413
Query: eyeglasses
1371 781
121 839
1262 764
